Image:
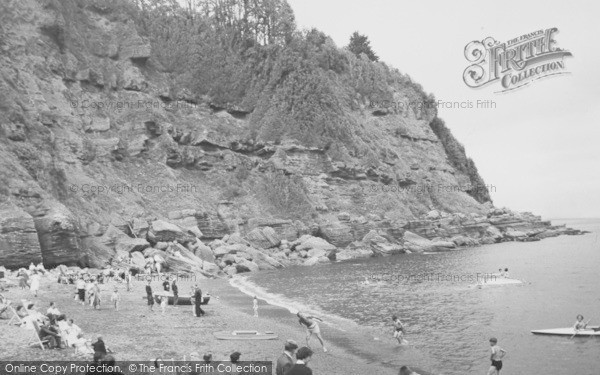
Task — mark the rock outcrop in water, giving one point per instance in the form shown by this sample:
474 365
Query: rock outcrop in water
105 153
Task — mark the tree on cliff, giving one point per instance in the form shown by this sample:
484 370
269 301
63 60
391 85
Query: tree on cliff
361 44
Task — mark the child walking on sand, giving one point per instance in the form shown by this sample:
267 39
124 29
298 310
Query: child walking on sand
162 301
255 306
115 298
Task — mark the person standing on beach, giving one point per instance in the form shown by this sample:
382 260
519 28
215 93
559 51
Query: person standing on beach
286 359
198 312
35 283
312 327
116 298
175 290
303 357
255 306
150 296
23 279
80 285
128 278
496 357
96 298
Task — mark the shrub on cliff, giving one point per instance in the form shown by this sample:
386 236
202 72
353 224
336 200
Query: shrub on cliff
360 44
285 196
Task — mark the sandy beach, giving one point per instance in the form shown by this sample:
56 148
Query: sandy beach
135 333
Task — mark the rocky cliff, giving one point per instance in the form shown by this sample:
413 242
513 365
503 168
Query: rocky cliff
106 151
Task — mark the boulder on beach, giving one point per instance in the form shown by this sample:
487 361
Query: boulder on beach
357 253
464 241
139 227
336 233
416 243
380 245
229 249
128 244
311 261
162 231
137 259
203 252
263 237
514 234
245 265
308 242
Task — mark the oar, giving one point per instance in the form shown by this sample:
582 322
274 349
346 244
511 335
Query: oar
586 323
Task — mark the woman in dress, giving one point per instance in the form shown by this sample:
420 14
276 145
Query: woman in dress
96 297
23 279
35 283
312 327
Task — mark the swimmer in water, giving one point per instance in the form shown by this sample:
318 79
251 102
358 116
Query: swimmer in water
399 331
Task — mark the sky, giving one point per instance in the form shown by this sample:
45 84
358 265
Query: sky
538 148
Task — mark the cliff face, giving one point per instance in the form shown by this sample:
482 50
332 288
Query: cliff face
99 141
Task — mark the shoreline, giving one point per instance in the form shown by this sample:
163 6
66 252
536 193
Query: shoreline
134 333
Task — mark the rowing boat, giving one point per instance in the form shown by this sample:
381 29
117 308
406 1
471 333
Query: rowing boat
181 300
245 335
570 331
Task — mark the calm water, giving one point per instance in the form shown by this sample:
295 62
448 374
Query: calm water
448 320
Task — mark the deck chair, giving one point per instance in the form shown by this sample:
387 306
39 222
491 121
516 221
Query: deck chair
15 317
34 339
4 311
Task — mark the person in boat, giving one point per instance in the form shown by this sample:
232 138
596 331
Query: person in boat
506 273
579 324
496 357
398 330
312 327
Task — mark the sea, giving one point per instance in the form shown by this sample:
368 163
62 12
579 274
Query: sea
448 318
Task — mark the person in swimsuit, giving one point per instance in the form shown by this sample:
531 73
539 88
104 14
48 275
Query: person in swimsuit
496 357
506 273
312 327
399 330
579 324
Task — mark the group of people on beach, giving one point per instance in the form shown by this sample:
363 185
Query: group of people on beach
162 299
30 278
53 328
294 360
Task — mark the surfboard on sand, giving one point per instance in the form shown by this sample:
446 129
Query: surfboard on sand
570 331
245 335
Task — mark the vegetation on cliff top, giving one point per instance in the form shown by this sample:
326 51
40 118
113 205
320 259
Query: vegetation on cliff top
249 57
